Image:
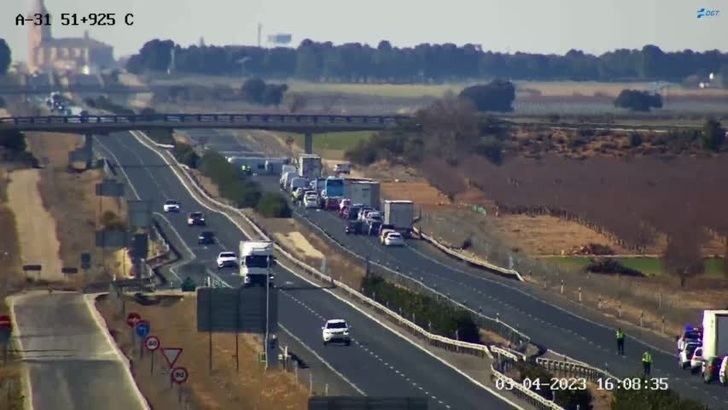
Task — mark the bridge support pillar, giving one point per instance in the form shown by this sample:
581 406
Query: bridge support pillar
308 142
88 150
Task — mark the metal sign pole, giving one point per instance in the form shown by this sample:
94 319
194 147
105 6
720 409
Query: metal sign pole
209 333
237 328
151 370
267 290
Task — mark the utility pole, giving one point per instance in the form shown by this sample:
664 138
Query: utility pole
267 312
260 29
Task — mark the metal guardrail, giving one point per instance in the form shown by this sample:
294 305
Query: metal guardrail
511 273
433 339
522 392
519 339
253 120
573 369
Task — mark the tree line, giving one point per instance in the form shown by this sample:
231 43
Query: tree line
356 62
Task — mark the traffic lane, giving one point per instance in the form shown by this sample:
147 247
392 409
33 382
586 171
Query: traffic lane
543 322
155 173
393 366
334 309
71 363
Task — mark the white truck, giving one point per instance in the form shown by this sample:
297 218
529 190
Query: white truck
309 166
256 260
399 214
715 341
362 192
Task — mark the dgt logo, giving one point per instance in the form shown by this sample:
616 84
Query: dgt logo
703 12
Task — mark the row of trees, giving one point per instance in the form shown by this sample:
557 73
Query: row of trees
355 62
5 56
256 91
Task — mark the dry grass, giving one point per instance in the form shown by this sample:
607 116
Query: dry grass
69 195
175 325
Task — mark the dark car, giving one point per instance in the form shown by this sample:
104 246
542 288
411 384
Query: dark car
206 238
354 227
351 213
196 218
374 227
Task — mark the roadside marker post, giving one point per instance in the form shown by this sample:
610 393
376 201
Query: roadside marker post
152 344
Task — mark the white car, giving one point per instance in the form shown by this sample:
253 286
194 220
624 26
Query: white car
336 330
723 371
310 201
394 239
683 358
226 259
384 233
696 362
171 205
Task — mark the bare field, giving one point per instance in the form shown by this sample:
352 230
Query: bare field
69 195
35 226
174 323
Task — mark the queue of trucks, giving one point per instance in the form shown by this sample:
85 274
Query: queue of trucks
704 349
356 200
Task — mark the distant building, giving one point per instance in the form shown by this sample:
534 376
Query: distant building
80 55
279 39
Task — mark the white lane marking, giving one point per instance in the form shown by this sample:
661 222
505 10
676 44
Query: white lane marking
146 169
483 278
118 163
327 364
192 255
195 196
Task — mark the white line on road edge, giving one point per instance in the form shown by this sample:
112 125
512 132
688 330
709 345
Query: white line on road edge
191 254
27 385
90 300
136 194
381 323
321 359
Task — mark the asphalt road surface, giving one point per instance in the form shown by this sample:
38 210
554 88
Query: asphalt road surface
71 363
378 362
546 324
516 303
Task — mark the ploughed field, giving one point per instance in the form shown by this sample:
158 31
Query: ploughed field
639 201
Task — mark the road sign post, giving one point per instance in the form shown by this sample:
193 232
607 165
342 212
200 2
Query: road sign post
152 344
142 329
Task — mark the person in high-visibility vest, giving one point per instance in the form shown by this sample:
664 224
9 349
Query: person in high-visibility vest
620 341
646 363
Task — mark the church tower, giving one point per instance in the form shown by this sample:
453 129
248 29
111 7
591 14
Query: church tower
37 35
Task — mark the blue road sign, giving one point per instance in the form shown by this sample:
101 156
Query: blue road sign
142 328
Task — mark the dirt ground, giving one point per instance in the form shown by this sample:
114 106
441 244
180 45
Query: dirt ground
294 240
36 227
69 195
173 322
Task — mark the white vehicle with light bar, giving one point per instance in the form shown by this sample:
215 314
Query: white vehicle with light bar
256 261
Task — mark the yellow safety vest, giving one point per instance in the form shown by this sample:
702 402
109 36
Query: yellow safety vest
646 358
620 334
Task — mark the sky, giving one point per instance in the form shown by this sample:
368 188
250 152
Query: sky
542 26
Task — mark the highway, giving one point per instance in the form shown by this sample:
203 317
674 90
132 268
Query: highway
545 323
72 362
378 363
516 303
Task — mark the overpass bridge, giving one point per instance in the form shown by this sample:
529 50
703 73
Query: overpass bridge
307 124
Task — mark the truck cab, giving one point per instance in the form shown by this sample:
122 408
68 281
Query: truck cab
256 261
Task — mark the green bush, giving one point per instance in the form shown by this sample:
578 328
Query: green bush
161 135
713 135
12 140
231 183
185 154
273 205
443 318
635 140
